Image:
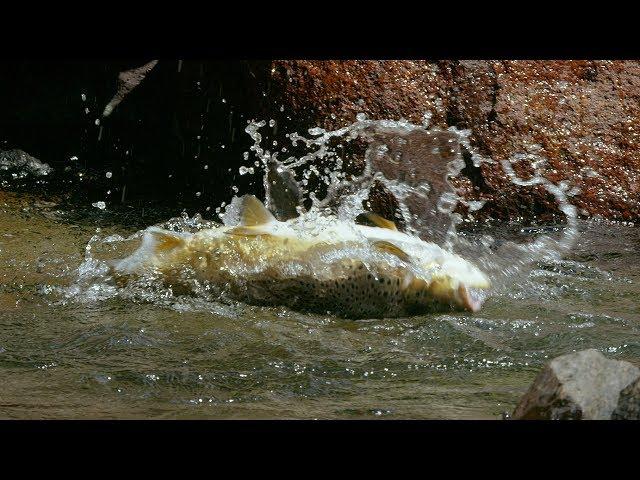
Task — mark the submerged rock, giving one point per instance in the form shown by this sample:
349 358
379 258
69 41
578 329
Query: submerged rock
578 386
628 403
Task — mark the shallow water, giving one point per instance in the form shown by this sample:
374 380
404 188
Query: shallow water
80 356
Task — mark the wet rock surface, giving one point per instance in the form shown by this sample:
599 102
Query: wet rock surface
331 93
582 116
179 135
581 386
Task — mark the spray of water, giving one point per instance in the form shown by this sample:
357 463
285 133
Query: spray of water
416 163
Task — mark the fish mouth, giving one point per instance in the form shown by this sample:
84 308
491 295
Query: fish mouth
472 299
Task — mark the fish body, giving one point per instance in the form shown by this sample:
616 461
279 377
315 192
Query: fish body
312 263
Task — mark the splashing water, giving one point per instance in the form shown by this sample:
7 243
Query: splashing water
416 163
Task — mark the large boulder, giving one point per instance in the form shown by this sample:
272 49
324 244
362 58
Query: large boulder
582 116
578 386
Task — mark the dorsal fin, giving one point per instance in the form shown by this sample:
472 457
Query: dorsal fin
377 220
392 249
253 212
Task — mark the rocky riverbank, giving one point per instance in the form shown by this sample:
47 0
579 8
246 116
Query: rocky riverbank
175 129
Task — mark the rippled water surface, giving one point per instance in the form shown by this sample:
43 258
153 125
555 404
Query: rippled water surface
181 357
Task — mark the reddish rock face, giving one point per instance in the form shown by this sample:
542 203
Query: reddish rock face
582 116
331 93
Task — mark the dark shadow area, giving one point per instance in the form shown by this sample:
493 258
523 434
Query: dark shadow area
177 139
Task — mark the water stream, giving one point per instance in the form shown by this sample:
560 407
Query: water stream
73 345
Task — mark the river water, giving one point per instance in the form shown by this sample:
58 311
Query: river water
68 352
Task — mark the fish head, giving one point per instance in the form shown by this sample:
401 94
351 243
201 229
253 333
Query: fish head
460 282
432 273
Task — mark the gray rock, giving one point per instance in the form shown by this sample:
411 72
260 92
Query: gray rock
23 163
628 403
583 385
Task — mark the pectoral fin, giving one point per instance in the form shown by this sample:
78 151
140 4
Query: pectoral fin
377 220
389 247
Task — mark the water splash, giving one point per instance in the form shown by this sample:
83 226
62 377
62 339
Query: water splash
418 164
330 173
